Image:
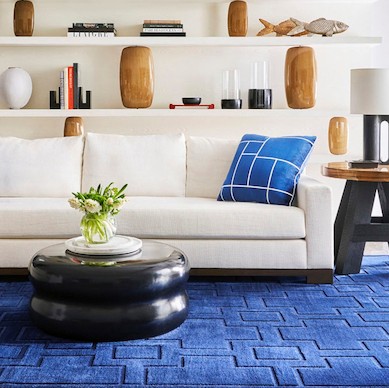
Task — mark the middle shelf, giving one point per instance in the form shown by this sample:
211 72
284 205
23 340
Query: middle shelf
171 113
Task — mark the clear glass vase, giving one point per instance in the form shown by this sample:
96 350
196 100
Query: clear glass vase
98 228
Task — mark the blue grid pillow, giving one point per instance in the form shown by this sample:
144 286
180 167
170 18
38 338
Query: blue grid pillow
266 169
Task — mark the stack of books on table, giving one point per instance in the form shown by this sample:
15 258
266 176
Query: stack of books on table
163 28
100 30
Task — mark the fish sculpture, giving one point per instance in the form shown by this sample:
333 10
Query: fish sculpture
320 26
280 29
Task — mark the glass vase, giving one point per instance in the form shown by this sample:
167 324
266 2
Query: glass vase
98 228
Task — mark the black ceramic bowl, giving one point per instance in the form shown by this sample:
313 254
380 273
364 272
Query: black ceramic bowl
191 100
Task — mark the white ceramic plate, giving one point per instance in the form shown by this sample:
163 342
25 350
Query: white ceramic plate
116 246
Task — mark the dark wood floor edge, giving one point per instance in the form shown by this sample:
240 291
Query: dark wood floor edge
13 271
314 276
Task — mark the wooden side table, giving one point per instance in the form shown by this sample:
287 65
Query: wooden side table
354 224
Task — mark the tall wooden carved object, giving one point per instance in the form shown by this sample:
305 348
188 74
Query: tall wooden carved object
74 126
338 135
300 77
237 18
23 18
136 77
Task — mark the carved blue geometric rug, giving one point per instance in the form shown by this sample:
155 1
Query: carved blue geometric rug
250 332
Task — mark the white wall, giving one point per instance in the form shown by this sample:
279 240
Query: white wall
195 71
381 28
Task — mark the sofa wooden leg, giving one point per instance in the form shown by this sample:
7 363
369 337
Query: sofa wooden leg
320 276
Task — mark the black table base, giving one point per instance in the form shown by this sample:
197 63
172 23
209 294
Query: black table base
354 225
129 299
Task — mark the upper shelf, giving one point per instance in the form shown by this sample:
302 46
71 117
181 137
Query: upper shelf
187 41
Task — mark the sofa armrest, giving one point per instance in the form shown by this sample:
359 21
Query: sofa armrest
314 198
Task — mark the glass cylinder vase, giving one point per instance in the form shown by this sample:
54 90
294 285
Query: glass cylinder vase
98 228
260 95
231 90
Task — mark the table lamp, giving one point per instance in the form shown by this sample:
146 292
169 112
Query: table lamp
370 97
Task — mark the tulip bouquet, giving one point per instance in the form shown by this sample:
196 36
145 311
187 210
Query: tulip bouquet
99 205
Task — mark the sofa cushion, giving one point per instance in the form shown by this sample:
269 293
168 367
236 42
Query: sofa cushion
266 169
41 167
188 217
38 217
208 161
152 165
156 217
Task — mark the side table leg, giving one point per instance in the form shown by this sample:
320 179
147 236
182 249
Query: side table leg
340 216
383 194
355 208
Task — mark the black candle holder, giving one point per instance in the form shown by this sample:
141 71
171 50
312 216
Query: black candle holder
260 98
232 104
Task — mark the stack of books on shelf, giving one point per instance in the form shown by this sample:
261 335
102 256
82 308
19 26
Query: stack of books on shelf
162 28
86 30
70 93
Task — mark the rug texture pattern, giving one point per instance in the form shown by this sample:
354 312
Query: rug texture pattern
249 332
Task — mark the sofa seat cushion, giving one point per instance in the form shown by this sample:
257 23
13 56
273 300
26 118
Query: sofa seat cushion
38 217
156 217
198 218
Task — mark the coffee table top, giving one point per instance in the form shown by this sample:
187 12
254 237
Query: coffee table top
152 252
343 171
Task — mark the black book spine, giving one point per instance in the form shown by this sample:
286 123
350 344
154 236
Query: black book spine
76 95
163 34
80 29
171 25
93 25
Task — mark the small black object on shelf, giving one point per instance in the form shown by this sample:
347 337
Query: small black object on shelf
191 100
232 104
260 98
54 103
87 103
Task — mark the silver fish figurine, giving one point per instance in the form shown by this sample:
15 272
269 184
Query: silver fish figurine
320 26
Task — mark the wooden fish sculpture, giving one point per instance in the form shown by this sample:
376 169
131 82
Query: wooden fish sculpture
280 29
320 26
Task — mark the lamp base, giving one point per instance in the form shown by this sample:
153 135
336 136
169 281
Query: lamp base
363 164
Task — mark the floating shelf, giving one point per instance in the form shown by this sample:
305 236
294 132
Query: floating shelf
43 41
171 113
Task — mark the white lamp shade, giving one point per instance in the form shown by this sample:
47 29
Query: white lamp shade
370 91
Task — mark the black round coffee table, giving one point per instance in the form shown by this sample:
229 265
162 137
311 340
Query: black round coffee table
109 298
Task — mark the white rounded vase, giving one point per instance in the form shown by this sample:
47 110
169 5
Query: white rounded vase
15 87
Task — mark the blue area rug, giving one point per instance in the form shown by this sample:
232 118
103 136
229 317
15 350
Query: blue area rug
250 332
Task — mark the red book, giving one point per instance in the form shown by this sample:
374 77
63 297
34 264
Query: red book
70 87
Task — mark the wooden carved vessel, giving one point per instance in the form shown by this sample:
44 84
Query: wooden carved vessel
74 126
300 77
136 77
237 18
338 135
23 18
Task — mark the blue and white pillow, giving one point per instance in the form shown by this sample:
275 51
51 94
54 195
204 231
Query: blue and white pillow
266 169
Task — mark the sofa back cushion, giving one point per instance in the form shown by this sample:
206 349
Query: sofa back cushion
41 167
208 162
152 165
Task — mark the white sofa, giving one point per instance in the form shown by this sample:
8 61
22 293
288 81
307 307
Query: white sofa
173 184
